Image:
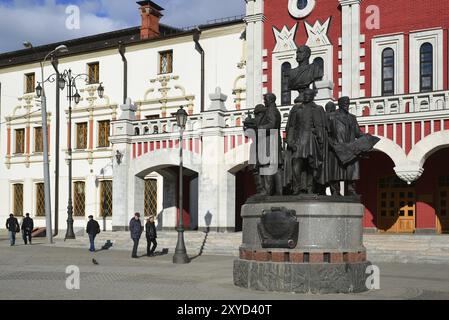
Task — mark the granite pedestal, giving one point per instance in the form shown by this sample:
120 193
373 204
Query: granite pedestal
329 256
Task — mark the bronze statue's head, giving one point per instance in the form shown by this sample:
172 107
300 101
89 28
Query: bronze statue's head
343 103
303 53
309 95
330 107
269 98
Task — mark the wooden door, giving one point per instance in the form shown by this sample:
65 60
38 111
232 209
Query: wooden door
396 206
443 209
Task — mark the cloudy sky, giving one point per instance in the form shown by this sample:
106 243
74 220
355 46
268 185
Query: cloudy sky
44 21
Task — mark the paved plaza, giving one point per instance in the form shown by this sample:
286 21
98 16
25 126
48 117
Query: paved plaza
39 272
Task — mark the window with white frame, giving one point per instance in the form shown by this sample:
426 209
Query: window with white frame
426 60
426 67
388 72
387 61
286 95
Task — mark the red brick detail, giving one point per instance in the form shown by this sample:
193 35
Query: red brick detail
279 256
296 257
150 21
363 256
351 257
336 257
262 256
316 257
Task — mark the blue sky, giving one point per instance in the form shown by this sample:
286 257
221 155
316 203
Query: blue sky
44 21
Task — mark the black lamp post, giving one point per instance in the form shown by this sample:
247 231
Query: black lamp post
69 79
180 251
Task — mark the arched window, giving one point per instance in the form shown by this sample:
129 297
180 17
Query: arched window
388 72
286 98
426 67
318 61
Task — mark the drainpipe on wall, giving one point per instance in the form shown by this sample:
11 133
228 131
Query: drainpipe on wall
55 62
122 50
199 48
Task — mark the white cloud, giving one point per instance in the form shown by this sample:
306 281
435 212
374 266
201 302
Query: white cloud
44 21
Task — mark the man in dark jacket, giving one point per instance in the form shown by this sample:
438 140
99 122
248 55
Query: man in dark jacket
92 229
27 228
151 234
135 227
12 225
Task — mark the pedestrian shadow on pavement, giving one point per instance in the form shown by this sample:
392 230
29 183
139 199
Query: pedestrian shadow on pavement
164 252
208 220
108 244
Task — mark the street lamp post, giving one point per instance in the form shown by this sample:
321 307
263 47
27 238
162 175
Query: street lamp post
69 79
41 93
180 255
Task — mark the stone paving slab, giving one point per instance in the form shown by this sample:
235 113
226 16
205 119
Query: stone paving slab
380 247
38 272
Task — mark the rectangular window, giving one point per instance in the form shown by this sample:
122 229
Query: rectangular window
30 82
103 133
166 62
40 200
79 199
150 197
93 71
81 135
18 199
20 141
106 198
38 141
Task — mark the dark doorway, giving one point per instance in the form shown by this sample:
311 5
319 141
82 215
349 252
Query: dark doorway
244 189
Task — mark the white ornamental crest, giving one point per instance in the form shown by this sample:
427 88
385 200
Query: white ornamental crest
285 39
318 33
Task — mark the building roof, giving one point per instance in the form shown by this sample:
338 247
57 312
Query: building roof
99 42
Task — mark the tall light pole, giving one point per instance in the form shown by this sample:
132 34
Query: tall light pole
180 255
69 79
41 93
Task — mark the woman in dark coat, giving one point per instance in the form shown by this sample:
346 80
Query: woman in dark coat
151 234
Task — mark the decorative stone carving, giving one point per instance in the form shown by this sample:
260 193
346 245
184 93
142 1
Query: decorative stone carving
318 33
409 174
163 97
278 228
285 39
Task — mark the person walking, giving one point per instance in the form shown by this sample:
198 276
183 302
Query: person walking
135 227
92 229
12 225
27 228
151 234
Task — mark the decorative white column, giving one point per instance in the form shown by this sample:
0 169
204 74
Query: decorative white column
255 45
350 48
212 182
122 187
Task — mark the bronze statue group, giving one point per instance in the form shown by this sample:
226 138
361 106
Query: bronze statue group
322 146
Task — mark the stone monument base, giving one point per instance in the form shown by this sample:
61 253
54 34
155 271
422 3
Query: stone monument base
326 254
315 278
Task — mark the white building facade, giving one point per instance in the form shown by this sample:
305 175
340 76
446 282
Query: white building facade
164 71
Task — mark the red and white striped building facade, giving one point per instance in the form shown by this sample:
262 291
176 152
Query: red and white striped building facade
391 59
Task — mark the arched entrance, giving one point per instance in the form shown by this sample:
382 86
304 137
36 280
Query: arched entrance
147 194
433 193
390 203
